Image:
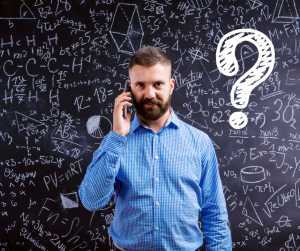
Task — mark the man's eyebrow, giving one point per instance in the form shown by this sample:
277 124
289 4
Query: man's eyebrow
159 82
156 82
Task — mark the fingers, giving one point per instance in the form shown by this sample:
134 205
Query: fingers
122 100
122 104
124 97
121 125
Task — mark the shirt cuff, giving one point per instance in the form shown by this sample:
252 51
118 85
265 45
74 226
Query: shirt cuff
114 142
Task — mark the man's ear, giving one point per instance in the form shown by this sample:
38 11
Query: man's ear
172 83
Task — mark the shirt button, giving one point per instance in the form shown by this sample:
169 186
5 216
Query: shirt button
157 179
112 165
156 157
157 203
156 228
120 144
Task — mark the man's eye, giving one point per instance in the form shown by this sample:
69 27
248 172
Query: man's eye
158 84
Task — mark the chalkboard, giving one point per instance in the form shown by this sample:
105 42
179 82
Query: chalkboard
62 64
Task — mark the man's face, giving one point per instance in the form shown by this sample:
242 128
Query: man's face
151 89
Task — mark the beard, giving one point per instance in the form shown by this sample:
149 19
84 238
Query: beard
151 113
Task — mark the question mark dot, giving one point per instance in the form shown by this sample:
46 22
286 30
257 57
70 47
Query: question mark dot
238 120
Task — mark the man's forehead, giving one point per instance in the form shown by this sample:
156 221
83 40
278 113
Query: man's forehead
142 72
156 66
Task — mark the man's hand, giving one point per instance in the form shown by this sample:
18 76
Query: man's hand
121 125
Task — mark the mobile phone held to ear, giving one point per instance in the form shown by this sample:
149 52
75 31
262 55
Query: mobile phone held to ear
125 107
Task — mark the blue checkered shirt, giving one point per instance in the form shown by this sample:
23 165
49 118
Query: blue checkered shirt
161 181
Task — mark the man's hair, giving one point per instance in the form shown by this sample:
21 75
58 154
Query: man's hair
149 56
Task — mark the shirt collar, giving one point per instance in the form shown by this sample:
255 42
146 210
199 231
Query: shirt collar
172 120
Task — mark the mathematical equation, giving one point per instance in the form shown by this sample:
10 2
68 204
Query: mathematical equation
62 64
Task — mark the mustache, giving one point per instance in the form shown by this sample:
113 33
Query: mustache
151 101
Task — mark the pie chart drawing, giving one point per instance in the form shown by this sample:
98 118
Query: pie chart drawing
98 126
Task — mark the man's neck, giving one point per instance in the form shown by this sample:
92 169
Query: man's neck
156 125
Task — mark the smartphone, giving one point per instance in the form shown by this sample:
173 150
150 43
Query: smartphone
127 88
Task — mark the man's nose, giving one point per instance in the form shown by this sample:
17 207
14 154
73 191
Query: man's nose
150 92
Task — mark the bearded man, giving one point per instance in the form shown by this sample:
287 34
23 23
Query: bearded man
164 172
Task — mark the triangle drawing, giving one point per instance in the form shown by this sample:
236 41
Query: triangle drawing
26 123
67 200
135 23
38 2
126 45
285 12
215 145
250 212
254 4
218 37
119 39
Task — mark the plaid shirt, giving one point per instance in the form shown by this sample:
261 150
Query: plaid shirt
162 181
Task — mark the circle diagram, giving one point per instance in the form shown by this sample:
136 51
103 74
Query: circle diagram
98 126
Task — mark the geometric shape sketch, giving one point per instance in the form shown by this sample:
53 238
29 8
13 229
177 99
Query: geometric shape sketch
285 12
199 4
254 4
98 126
126 28
250 212
218 37
15 10
69 200
253 174
22 119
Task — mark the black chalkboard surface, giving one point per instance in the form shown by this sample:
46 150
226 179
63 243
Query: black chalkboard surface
63 62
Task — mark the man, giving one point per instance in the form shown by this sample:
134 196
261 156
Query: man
163 171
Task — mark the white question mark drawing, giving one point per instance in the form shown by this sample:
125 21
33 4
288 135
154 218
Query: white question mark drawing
228 65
